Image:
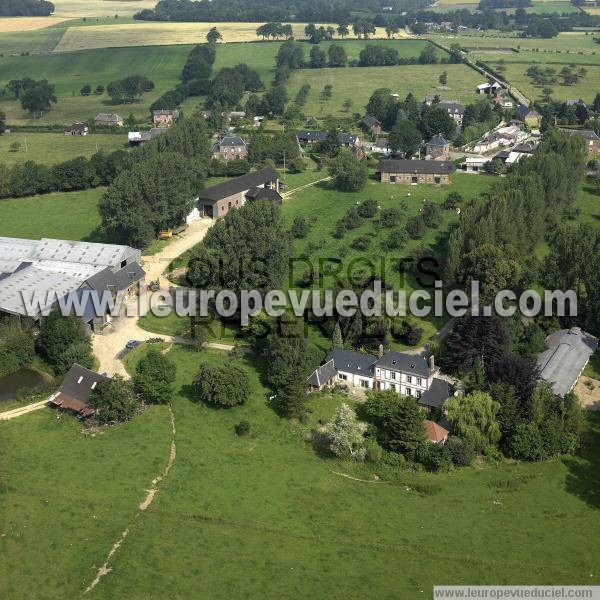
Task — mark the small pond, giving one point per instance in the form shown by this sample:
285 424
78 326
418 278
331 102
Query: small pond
23 378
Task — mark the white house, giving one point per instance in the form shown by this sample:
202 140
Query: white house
475 164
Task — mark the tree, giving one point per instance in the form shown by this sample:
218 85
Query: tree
343 30
348 173
113 400
347 104
337 56
346 434
99 90
337 340
436 120
275 100
38 97
2 122
58 334
398 421
78 353
443 78
405 138
213 36
129 89
154 377
299 227
474 418
195 67
428 55
317 58
221 385
155 194
86 90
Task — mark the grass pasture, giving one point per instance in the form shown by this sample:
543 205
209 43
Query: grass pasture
52 148
69 72
552 7
359 83
265 516
63 215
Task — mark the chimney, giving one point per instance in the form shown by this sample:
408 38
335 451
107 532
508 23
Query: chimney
431 361
380 350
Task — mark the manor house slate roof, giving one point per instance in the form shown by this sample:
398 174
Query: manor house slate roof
357 363
569 350
238 184
407 363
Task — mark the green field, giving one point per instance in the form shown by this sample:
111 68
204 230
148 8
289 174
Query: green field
265 517
51 148
359 83
65 215
551 7
69 72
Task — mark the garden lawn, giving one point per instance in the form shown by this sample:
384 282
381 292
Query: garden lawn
265 516
52 148
323 206
358 83
63 215
588 203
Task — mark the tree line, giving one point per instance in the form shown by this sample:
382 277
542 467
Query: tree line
26 8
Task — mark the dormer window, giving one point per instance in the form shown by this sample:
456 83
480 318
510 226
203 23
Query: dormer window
80 380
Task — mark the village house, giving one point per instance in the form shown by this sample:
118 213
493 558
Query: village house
530 117
590 139
406 374
488 88
435 433
164 117
108 120
415 171
230 147
56 268
74 393
454 109
503 99
308 137
135 138
568 353
216 201
381 146
370 124
77 129
437 148
475 164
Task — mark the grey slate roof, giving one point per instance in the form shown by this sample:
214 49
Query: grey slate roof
78 382
238 184
321 375
369 121
452 106
438 140
107 280
439 391
586 134
306 135
108 118
528 147
568 352
436 167
231 141
407 363
357 363
524 111
264 194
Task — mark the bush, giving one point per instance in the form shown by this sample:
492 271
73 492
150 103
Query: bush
413 335
242 428
389 217
373 451
415 227
434 457
223 386
395 240
362 242
297 165
432 215
299 227
460 451
367 208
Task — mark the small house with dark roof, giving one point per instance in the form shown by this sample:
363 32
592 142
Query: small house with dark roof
438 147
415 171
77 129
309 138
530 117
370 124
231 147
455 109
74 393
322 377
216 201
590 139
136 138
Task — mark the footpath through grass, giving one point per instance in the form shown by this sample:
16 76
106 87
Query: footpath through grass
264 516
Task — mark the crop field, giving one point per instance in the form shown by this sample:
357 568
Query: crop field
16 24
69 72
100 8
140 33
266 516
63 215
358 84
51 148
